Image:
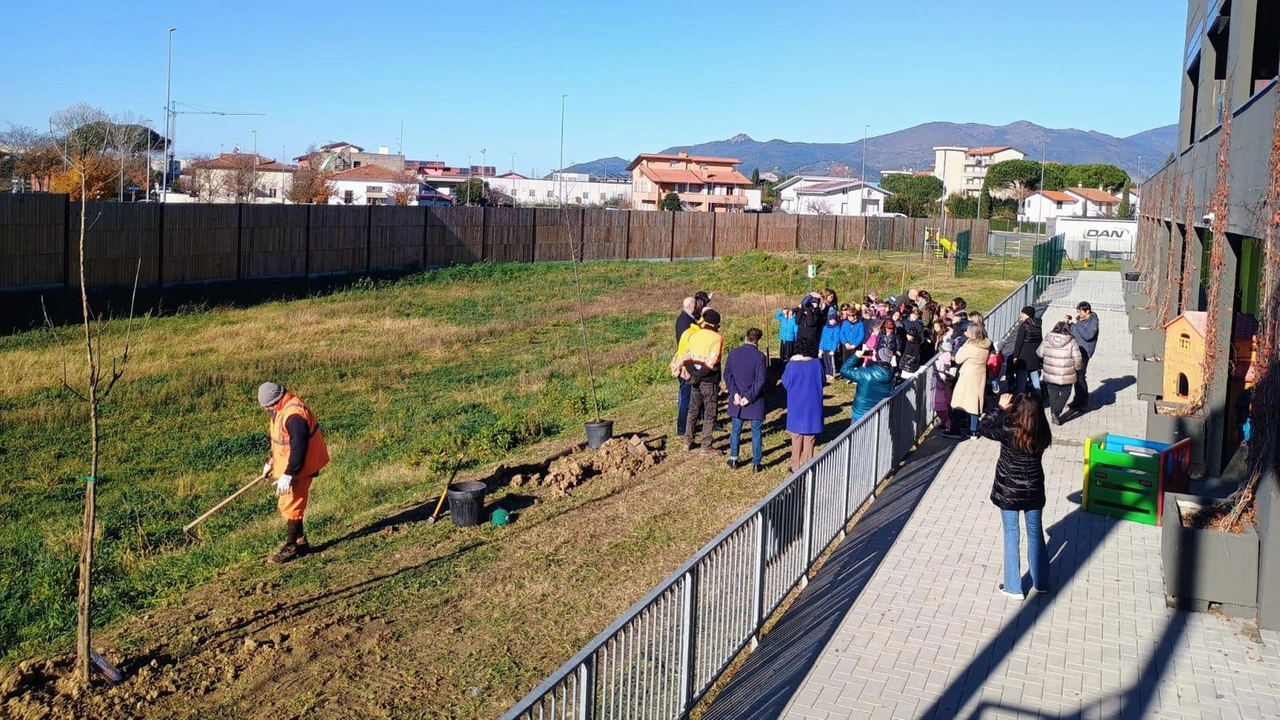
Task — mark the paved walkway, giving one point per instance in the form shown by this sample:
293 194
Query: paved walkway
905 620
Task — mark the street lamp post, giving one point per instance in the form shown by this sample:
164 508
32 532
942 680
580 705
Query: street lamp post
168 119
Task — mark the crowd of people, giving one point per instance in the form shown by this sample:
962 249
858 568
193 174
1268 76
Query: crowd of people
873 344
977 388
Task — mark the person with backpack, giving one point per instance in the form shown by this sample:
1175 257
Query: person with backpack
1018 424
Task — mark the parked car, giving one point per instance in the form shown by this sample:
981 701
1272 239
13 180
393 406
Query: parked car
434 197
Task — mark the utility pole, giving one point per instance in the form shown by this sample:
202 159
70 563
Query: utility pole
1043 145
253 179
863 175
513 163
561 168
168 108
468 180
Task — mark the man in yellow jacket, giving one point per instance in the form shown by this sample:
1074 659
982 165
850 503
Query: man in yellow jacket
701 361
298 453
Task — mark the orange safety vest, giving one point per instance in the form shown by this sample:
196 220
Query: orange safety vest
317 452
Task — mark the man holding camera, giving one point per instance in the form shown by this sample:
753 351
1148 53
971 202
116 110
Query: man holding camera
1084 328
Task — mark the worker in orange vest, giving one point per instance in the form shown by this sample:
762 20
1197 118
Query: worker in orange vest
298 453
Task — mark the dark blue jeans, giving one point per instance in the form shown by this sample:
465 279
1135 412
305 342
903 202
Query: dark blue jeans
757 439
682 406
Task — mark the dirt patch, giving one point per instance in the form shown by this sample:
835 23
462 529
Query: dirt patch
616 459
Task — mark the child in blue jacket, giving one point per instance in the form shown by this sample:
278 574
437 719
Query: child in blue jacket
787 329
827 346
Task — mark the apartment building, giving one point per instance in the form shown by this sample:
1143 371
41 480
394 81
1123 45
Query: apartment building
963 170
1229 69
703 183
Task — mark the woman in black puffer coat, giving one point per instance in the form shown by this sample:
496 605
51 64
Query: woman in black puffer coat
1019 425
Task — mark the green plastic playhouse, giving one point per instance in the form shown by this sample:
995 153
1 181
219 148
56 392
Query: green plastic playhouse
1127 477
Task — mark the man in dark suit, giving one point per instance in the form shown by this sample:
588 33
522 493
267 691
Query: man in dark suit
744 375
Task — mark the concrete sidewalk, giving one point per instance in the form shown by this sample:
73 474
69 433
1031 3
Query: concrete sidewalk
927 634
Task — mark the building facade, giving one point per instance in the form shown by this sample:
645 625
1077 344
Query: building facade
1201 250
819 195
566 189
235 177
964 170
703 183
374 185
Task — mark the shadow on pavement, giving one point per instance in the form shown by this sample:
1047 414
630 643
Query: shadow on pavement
778 667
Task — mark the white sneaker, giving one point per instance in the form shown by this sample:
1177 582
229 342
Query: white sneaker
1010 594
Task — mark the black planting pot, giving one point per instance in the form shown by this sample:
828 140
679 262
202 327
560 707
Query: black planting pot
1207 569
1150 379
598 432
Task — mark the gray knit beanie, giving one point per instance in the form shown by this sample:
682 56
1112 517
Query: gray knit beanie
269 394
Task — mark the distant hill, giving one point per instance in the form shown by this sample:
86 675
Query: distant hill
913 149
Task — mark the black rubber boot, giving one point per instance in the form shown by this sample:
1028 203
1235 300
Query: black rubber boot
301 543
289 550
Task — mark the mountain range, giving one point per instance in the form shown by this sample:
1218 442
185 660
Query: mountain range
912 149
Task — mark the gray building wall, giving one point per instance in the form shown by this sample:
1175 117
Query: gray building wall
1241 67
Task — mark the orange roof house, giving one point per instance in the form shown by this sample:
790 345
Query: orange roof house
703 183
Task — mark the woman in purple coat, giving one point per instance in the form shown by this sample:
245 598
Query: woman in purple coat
803 380
744 374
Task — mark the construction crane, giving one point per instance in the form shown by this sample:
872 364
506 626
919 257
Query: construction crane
173 128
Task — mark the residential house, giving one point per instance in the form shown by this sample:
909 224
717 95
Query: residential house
1094 202
964 170
372 185
1134 200
236 177
341 156
1047 204
819 195
703 183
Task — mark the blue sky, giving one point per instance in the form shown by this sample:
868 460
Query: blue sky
640 77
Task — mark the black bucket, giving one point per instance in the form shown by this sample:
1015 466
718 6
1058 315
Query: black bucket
598 433
1132 276
466 500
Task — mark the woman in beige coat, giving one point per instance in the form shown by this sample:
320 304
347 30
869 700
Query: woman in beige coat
971 384
1061 358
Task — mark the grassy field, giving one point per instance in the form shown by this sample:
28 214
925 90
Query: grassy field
394 370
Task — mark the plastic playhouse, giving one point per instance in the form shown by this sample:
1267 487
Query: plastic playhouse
1127 477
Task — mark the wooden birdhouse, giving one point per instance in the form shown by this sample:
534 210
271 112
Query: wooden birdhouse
1184 349
1244 350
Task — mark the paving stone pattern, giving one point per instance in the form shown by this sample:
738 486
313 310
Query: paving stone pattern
931 637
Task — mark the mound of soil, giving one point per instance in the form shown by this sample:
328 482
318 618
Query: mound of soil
616 458
47 689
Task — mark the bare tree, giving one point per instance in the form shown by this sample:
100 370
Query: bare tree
404 193
200 180
242 180
79 144
312 182
818 207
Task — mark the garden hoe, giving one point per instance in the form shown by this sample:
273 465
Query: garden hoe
224 503
440 503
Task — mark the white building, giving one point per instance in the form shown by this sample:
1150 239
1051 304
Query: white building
963 170
574 188
233 177
819 195
1047 204
1094 202
372 185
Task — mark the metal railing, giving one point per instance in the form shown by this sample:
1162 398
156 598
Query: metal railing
663 654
